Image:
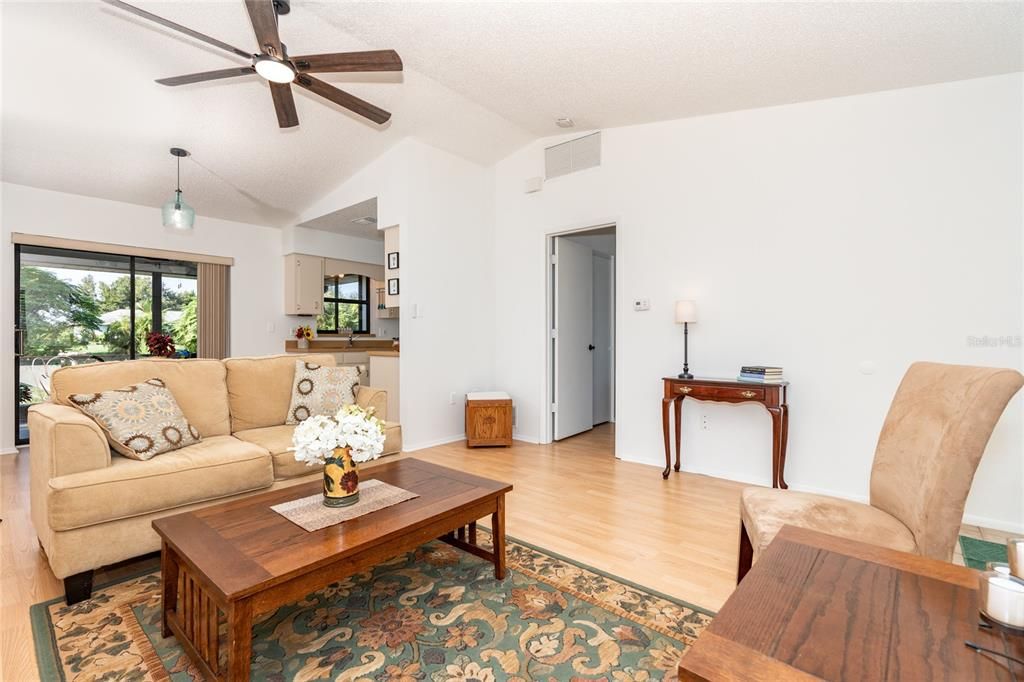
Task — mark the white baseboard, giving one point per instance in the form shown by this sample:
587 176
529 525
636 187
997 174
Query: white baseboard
8 451
433 443
994 524
524 438
969 519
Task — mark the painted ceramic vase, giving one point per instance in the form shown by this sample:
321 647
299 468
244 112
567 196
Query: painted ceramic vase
302 343
341 479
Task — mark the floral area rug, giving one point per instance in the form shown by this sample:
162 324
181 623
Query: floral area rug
436 614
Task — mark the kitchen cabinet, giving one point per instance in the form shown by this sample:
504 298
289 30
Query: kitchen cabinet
384 375
360 359
303 284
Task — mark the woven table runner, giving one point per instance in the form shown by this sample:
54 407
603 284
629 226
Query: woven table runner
309 513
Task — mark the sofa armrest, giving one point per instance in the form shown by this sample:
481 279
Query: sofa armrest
375 399
64 441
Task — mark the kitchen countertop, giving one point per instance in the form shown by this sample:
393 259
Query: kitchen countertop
341 345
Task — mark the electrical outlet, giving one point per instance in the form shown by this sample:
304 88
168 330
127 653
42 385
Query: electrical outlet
705 423
451 398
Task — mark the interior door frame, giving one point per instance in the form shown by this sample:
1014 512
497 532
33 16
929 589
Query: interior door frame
547 417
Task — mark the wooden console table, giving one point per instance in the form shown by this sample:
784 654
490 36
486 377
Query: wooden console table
772 396
820 607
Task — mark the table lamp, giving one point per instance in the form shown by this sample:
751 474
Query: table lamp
686 312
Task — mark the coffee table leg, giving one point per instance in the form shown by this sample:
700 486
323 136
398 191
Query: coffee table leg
472 532
169 591
498 532
239 640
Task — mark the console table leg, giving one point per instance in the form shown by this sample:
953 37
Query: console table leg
677 404
782 447
664 428
776 414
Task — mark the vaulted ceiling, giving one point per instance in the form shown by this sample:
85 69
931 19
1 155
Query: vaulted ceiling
82 114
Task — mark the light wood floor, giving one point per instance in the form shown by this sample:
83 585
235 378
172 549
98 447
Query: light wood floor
677 536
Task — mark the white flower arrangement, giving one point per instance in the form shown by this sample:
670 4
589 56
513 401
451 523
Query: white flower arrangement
317 437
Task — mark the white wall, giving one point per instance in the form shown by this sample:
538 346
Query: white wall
443 204
256 278
883 228
297 239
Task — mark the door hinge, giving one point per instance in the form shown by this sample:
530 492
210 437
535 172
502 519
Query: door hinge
554 259
554 407
554 333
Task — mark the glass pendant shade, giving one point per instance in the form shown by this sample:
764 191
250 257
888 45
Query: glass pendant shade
178 214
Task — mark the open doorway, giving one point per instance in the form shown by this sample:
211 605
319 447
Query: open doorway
582 323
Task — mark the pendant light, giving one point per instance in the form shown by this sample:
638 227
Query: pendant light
176 213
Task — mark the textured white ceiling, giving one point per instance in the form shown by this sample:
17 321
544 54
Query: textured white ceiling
81 112
620 63
340 221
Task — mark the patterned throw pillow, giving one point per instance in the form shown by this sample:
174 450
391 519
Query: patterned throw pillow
321 390
141 421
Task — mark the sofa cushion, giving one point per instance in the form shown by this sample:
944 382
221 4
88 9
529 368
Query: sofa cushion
764 511
260 389
277 439
199 386
141 421
319 390
216 467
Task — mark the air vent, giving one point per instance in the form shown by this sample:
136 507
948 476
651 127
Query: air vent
365 220
572 156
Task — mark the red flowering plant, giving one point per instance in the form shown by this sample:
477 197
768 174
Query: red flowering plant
160 345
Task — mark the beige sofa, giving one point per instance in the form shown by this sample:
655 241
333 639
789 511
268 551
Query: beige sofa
92 507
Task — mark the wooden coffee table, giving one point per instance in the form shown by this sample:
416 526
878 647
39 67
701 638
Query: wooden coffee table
231 561
816 606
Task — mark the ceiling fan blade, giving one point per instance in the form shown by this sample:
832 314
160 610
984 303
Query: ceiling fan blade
373 60
350 102
207 76
264 25
178 27
284 104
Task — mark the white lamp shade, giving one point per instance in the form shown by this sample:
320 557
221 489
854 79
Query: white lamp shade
686 311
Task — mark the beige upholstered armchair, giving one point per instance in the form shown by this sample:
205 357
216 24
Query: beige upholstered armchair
934 435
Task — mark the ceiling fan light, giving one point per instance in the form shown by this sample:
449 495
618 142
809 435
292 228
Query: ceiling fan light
274 70
177 214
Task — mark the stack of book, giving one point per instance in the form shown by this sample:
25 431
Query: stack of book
761 374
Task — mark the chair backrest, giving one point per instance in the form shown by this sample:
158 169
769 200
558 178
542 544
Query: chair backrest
934 435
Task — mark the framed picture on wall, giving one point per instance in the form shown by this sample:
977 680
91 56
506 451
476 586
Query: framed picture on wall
393 287
393 260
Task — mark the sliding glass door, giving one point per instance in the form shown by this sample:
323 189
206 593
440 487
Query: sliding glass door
75 307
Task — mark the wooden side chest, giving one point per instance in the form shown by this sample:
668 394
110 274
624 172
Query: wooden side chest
488 419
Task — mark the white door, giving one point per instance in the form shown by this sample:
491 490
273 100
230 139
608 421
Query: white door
603 335
573 342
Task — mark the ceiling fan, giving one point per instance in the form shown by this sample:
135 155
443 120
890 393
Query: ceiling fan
273 63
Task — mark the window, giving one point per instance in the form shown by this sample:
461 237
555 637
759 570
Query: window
75 307
346 304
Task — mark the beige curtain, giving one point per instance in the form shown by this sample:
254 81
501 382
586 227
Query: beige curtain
214 310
